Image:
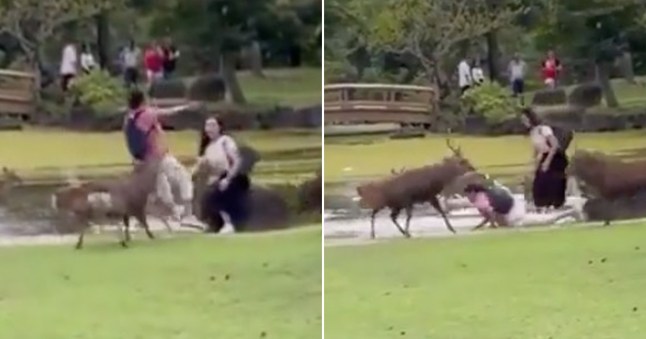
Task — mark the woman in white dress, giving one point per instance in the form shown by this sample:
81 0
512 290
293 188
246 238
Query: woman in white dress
228 185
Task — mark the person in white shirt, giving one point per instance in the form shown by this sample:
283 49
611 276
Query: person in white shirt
477 74
130 57
464 75
87 59
516 71
68 68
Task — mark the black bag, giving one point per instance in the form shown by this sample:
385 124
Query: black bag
564 136
248 157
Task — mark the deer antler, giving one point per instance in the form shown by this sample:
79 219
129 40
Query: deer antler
455 150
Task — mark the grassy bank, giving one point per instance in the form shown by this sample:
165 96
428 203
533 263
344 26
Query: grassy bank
290 87
287 155
577 283
186 287
364 157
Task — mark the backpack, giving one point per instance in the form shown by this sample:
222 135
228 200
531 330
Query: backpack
248 158
563 135
136 139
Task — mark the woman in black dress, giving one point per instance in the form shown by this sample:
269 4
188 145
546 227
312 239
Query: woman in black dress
550 162
228 185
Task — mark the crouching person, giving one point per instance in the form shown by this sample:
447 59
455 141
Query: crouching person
146 142
228 181
500 208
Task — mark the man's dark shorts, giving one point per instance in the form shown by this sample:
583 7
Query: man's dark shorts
518 86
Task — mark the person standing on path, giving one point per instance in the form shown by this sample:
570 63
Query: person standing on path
551 68
477 74
550 163
229 183
170 54
154 63
146 141
465 81
69 65
516 69
87 59
130 56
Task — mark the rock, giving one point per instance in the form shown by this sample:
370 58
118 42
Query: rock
310 194
168 89
269 210
586 95
604 122
549 97
210 87
625 208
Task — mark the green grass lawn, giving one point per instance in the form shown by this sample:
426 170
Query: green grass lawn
185 287
364 157
291 87
287 155
576 283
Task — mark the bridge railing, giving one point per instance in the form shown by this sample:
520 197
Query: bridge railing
375 103
17 93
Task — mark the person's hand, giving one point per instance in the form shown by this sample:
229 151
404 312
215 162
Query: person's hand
224 183
545 166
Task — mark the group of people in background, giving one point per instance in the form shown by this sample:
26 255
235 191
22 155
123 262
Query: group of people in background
158 61
471 74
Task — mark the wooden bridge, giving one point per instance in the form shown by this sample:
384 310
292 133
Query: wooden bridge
378 103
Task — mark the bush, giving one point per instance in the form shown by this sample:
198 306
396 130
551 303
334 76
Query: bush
99 91
490 100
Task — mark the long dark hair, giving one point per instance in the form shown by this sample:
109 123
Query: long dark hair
531 116
205 140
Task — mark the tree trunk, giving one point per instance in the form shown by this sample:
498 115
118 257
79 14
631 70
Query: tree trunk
231 79
603 75
254 56
102 22
493 55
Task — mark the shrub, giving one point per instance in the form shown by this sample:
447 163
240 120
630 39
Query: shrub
490 100
100 91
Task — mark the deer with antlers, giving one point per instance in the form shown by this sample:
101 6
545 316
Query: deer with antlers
402 190
8 180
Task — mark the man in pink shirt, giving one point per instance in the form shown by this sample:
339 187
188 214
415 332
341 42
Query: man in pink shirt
171 173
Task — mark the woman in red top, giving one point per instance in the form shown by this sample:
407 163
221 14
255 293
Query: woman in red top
551 69
153 61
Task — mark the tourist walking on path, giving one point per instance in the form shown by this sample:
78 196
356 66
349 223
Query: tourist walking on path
516 70
170 54
229 184
551 68
87 59
130 56
477 74
146 141
154 63
464 76
69 64
550 163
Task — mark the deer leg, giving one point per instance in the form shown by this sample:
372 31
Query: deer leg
394 213
436 204
125 233
79 242
144 223
409 215
126 229
372 223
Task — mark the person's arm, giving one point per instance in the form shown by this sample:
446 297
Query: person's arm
172 110
553 145
233 153
485 220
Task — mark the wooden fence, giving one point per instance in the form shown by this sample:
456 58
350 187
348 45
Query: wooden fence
17 94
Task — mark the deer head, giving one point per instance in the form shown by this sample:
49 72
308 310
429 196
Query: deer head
396 172
10 177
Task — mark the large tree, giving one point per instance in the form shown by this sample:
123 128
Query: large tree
429 29
32 22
